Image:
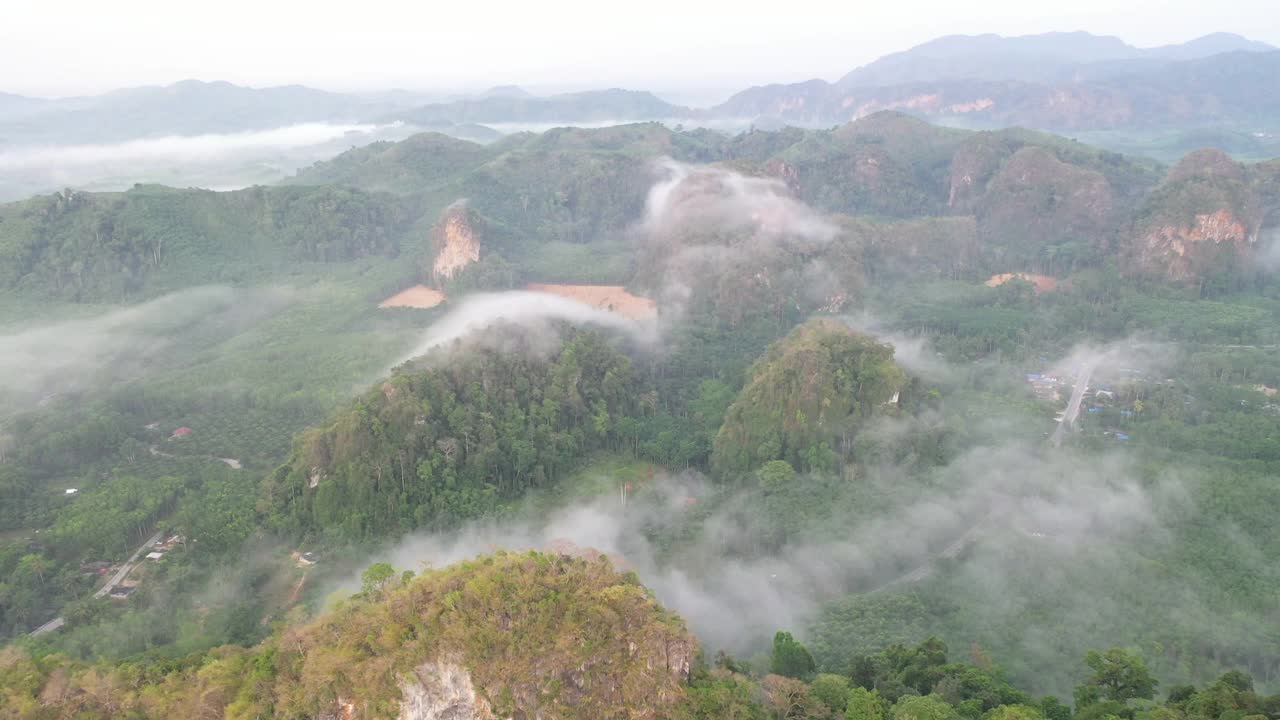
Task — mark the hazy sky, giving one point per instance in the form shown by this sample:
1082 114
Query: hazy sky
79 46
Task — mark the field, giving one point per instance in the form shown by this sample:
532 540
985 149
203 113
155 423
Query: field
1042 283
418 296
614 298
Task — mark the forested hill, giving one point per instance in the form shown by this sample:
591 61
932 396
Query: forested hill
551 635
527 635
1031 202
806 398
1040 203
475 427
592 106
111 247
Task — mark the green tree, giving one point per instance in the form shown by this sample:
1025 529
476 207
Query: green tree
863 704
922 707
831 690
776 475
790 658
1118 676
375 577
1014 712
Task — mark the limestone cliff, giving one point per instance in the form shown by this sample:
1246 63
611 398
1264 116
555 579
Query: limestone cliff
504 637
441 690
1204 220
455 242
507 636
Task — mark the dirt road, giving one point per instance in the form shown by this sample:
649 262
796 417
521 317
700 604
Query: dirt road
232 463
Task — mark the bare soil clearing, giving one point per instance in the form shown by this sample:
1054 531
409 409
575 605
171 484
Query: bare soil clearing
606 297
1042 283
418 296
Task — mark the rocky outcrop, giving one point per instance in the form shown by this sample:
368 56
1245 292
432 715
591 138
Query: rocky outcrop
1184 252
1203 220
455 241
441 691
506 636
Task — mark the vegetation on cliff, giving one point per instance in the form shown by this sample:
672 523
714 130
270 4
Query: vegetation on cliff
806 398
522 635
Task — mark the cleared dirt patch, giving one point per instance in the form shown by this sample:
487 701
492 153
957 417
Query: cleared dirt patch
418 296
1042 283
606 297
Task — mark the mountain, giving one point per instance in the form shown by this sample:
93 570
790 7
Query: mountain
1028 58
988 57
945 202
807 393
1224 90
959 202
16 104
414 432
505 91
1207 45
190 107
90 247
594 106
508 635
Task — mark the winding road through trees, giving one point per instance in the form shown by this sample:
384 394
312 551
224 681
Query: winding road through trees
115 580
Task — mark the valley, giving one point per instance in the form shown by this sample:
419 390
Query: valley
877 408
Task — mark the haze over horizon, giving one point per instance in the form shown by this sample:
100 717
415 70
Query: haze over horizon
668 46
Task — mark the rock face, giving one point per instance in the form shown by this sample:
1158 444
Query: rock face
441 691
1204 220
1182 252
505 637
455 240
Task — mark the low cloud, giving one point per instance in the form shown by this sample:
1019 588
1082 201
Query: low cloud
530 311
215 161
91 352
177 148
693 197
708 231
735 595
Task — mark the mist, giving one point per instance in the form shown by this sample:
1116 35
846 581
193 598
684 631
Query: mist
704 223
54 358
1269 249
530 311
694 197
1004 510
214 161
734 597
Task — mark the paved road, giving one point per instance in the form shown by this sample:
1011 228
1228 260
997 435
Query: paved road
1073 406
115 580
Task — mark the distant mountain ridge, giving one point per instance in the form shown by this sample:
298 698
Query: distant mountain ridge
1032 58
506 105
189 107
1059 82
